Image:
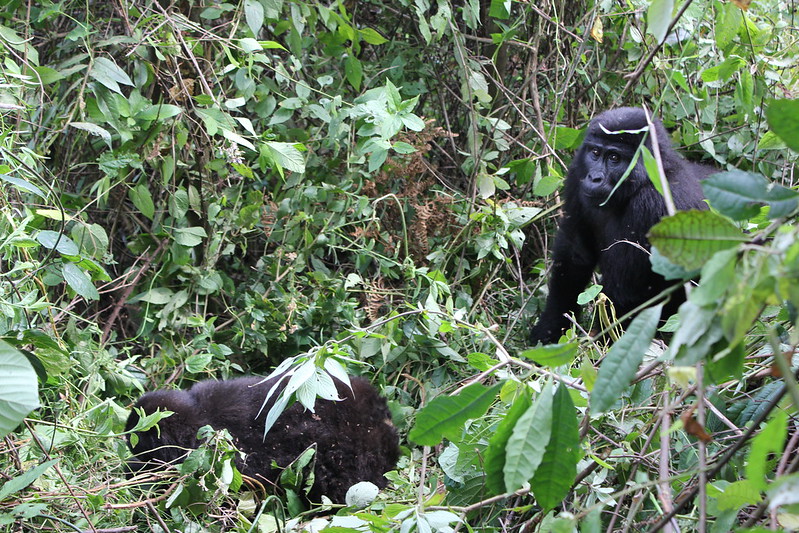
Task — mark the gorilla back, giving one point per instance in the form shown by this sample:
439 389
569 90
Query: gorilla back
355 439
607 228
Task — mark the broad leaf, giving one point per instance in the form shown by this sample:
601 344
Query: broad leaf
783 118
109 74
494 461
446 415
58 241
254 15
658 18
690 238
740 195
372 36
558 468
14 485
353 71
528 441
94 129
80 282
728 20
190 236
287 155
552 355
143 200
622 361
19 393
23 185
771 440
159 112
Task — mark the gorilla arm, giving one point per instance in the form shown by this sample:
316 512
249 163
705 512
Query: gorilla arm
573 263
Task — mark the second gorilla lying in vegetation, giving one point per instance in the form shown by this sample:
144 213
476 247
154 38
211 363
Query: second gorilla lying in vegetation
355 439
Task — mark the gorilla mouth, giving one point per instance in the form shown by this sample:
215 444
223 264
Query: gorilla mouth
598 196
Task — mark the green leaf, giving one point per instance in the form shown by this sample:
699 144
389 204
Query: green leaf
651 166
61 243
771 141
19 394
287 155
494 461
446 415
658 18
190 237
18 483
740 195
94 129
485 185
53 214
254 15
159 112
23 185
690 238
156 295
234 137
552 355
724 71
401 148
250 45
736 495
699 328
179 203
48 75
80 282
528 441
622 361
718 276
371 36
377 158
771 440
91 238
412 122
783 119
500 9
558 469
728 22
198 362
589 294
109 74
353 71
141 198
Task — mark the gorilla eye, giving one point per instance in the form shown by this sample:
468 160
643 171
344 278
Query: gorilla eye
614 158
595 151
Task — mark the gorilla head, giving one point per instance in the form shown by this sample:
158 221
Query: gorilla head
608 210
612 142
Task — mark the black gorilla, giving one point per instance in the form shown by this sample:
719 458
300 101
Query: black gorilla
598 228
355 439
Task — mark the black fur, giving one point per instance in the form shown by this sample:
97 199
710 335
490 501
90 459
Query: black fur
592 235
355 439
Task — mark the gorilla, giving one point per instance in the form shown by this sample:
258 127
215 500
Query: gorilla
355 439
608 228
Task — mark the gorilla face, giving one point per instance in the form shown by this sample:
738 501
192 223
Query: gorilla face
605 164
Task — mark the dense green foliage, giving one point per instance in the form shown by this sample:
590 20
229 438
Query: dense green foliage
196 190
